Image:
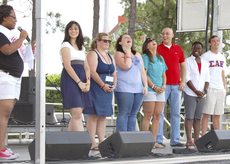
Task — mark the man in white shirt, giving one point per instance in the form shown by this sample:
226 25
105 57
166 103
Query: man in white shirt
217 87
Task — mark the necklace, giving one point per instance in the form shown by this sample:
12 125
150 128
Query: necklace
107 62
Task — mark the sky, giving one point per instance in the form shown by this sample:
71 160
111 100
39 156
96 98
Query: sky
77 10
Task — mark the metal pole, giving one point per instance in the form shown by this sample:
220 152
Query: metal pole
216 23
218 33
106 16
215 17
40 17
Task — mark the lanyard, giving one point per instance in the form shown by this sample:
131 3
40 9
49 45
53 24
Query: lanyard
107 62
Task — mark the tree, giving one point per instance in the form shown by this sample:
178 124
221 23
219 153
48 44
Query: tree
132 18
53 23
96 11
54 96
154 15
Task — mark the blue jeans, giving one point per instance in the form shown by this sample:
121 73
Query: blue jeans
128 105
173 95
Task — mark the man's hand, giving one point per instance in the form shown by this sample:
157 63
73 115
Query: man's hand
182 85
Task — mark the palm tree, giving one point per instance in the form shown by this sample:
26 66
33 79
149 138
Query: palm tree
96 11
132 18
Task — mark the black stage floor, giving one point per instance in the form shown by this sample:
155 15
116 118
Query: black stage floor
156 156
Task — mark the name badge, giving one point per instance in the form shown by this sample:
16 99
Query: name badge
109 78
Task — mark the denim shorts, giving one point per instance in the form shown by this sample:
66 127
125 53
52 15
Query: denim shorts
154 96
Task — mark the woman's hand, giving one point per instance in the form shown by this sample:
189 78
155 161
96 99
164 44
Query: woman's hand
160 89
145 91
23 34
83 86
87 86
199 93
111 88
33 44
106 88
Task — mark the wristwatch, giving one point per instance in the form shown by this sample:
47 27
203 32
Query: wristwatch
206 91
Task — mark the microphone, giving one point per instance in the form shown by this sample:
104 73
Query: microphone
20 29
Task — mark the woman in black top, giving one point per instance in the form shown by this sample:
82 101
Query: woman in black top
11 68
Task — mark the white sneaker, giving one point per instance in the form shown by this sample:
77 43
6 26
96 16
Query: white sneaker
4 154
11 152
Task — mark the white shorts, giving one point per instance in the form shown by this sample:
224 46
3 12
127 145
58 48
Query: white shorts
154 96
9 86
214 104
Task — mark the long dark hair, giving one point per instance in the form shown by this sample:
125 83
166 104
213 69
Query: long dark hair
79 40
119 47
147 52
5 11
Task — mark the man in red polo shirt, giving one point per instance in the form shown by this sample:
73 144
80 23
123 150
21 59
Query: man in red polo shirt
174 59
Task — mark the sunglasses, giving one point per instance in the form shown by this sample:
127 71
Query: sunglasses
149 40
105 41
12 16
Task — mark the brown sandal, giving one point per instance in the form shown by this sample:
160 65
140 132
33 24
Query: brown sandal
159 146
94 148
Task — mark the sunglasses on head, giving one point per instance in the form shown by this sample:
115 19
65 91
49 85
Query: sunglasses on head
105 41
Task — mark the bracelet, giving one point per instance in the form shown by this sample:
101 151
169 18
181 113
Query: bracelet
164 86
206 91
103 86
88 79
128 57
78 82
154 87
194 90
146 86
115 86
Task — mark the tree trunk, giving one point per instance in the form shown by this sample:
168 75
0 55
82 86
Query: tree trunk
96 11
132 18
32 72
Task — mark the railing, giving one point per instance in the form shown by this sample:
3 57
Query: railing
111 121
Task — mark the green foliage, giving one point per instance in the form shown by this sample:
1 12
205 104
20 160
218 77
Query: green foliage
152 17
87 43
54 96
112 49
53 22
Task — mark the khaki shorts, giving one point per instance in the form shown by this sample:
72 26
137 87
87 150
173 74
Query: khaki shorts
215 101
9 86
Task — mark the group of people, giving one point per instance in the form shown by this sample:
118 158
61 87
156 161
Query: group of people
88 82
201 77
151 79
203 81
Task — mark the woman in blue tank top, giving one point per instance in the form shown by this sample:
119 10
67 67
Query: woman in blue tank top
103 82
130 79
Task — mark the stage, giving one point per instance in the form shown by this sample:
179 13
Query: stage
156 156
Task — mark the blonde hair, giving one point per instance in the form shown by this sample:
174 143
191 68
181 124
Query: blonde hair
98 37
